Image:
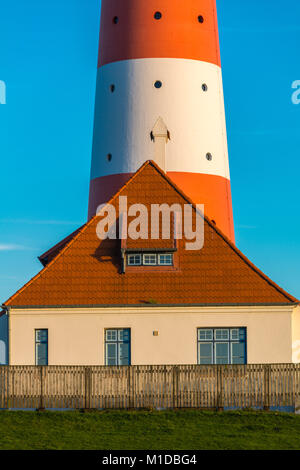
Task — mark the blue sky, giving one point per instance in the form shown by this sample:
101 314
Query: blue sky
48 60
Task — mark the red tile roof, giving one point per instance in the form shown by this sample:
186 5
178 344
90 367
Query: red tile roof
87 271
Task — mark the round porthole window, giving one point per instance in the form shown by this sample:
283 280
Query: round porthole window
157 15
109 157
204 87
115 20
112 88
158 84
209 157
200 19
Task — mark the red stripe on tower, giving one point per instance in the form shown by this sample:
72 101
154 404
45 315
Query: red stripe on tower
160 97
136 29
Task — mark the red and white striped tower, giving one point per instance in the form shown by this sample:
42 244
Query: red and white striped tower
160 97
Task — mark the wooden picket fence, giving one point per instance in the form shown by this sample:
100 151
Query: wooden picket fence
161 387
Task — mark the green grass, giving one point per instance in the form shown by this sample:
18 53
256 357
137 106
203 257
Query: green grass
158 430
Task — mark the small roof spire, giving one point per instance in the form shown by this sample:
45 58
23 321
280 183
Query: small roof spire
160 135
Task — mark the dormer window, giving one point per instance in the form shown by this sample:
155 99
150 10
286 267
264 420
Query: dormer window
150 259
165 259
134 260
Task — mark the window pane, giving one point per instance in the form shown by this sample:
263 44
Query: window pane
221 334
205 353
111 354
242 334
111 335
149 259
222 353
41 335
41 354
238 353
165 259
234 334
124 354
205 335
134 260
124 335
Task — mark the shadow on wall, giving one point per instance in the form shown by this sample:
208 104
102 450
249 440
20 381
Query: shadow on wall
3 339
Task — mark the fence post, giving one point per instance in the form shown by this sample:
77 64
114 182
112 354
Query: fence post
220 404
267 373
88 387
297 388
12 388
175 386
6 387
41 406
130 385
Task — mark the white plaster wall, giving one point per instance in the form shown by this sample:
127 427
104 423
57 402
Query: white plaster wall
194 118
77 336
296 335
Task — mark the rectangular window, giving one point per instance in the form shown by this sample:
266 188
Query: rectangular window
221 345
165 260
149 260
117 347
134 260
41 347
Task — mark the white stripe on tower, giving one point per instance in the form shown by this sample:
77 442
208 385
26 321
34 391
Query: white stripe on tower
161 59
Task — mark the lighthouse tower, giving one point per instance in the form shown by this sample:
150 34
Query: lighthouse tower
160 97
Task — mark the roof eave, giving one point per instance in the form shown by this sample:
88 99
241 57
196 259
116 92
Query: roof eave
147 305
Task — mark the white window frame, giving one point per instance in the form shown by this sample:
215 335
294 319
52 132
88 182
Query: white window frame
106 350
229 342
231 348
165 264
201 340
149 264
117 342
38 342
134 255
231 336
212 351
139 259
222 339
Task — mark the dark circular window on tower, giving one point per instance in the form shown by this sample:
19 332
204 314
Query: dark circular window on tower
109 157
200 19
112 88
204 87
115 20
157 15
209 157
158 84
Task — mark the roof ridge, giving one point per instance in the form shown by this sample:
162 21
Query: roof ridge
226 239
184 196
